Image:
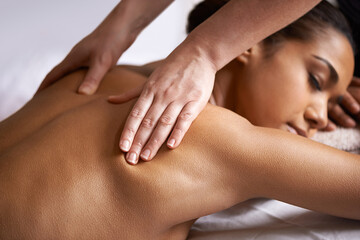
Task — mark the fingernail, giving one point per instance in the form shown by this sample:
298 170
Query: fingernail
171 142
145 154
131 158
125 145
86 89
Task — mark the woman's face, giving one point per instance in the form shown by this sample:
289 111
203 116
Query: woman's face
290 89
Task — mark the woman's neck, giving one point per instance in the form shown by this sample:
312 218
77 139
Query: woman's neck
225 87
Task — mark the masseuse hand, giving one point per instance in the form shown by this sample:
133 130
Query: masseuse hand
99 51
349 105
171 99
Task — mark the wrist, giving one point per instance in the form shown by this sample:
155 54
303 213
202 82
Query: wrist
121 25
114 31
130 17
196 50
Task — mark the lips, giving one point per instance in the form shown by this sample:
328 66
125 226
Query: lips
295 130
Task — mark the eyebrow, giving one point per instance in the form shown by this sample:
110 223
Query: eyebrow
334 77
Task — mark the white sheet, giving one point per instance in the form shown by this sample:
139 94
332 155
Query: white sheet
272 220
37 34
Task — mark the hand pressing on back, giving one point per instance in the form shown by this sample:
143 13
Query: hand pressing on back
101 49
173 96
98 51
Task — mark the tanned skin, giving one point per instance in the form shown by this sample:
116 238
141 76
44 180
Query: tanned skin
62 175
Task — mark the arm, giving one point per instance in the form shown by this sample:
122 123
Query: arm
287 167
179 89
102 48
241 24
225 160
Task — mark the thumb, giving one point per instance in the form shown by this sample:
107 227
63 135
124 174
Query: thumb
126 96
93 78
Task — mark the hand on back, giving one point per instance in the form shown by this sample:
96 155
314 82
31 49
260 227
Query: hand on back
171 99
99 51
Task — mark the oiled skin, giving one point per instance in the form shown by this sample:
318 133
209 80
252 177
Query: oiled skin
62 175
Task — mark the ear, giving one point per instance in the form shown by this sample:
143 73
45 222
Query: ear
245 56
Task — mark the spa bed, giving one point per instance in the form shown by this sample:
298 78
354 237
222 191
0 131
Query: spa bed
37 34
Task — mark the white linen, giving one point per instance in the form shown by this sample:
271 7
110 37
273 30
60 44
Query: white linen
272 220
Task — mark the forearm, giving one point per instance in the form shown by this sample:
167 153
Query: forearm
304 173
132 16
239 25
262 162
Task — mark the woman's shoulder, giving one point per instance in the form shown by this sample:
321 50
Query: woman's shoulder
221 120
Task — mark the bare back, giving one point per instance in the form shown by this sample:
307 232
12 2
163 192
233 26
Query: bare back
64 177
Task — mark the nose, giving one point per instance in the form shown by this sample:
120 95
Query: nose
316 114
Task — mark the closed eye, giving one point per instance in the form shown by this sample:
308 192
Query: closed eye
314 82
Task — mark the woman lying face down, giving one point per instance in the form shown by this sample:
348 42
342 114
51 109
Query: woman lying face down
63 177
290 89
286 81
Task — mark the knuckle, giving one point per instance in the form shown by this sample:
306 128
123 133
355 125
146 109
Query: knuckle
166 120
146 92
105 59
196 93
137 113
169 93
91 80
151 84
154 143
138 144
131 132
185 116
148 123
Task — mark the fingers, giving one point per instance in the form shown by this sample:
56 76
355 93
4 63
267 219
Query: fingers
186 117
126 96
134 120
154 130
154 119
338 115
98 68
163 128
350 104
179 99
94 76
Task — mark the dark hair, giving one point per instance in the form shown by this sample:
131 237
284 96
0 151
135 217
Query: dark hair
306 28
